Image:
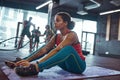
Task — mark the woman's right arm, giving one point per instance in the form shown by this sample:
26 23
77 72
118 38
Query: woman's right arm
44 50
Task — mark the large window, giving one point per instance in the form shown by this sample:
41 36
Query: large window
86 30
10 17
89 26
84 25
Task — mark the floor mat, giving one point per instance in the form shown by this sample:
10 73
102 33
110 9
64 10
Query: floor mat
56 73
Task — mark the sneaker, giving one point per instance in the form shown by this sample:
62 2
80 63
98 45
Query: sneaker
26 71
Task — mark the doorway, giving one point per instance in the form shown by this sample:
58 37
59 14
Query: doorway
88 41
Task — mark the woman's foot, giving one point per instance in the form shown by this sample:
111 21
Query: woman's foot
11 64
26 71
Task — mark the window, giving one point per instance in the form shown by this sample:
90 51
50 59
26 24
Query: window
10 17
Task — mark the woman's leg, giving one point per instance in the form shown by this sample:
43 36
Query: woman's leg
11 64
71 65
67 58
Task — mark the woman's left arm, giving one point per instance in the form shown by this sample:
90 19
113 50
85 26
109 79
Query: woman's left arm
69 39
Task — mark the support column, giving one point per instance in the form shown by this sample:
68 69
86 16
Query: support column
50 6
108 28
119 30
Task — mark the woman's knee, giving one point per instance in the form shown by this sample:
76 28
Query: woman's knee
68 47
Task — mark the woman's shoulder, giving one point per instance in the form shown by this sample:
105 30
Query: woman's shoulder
73 33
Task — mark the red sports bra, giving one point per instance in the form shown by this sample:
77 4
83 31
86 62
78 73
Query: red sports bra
76 46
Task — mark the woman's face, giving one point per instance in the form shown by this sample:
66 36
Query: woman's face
58 22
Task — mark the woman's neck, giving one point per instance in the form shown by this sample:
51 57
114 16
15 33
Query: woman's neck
64 31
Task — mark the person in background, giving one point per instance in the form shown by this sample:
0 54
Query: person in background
33 34
48 33
67 54
37 36
26 31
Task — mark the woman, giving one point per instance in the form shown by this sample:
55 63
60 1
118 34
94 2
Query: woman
67 54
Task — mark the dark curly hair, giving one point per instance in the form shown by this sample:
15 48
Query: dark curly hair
67 18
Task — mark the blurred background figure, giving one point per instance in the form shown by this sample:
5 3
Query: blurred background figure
48 33
26 31
33 34
37 38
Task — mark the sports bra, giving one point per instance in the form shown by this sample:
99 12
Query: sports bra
76 46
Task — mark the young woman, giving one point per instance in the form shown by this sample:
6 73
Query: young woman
67 54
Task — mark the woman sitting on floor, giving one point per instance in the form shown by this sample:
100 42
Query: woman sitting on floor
67 54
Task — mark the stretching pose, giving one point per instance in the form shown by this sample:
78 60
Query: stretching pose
67 54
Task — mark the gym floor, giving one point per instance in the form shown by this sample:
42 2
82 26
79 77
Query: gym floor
106 62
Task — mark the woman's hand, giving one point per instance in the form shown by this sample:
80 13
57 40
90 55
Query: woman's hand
23 63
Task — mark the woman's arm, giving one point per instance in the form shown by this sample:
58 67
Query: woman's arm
68 40
44 50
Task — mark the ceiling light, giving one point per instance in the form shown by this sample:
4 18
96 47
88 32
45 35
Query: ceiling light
82 12
115 2
44 4
109 12
95 5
